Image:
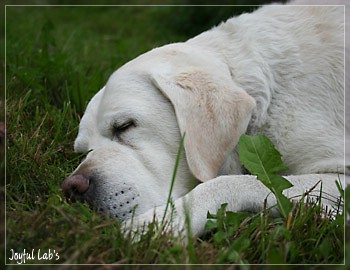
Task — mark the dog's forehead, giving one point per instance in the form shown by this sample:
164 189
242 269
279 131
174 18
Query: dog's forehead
127 90
132 83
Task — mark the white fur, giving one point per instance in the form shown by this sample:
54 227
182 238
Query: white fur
278 71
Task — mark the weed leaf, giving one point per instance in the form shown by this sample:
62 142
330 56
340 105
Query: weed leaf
261 158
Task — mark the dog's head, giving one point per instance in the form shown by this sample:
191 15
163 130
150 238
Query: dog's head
133 129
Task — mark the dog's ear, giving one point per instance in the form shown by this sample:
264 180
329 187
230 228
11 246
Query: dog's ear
212 111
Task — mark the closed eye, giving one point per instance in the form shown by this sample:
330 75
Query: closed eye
120 129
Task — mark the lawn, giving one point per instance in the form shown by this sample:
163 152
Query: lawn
57 58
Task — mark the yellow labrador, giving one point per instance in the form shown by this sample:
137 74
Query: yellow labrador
278 71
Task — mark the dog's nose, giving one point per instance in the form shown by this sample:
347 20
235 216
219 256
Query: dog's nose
75 186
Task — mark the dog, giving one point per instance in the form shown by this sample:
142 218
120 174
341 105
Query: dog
278 71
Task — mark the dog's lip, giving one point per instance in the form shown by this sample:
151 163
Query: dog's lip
119 204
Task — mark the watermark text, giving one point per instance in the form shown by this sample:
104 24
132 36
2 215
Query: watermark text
24 256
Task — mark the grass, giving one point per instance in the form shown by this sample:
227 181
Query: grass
56 59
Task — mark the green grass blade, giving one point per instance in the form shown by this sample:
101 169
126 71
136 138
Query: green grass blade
177 162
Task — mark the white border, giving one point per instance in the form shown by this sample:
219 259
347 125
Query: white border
152 5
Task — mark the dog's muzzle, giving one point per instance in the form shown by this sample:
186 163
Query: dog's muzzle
119 202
